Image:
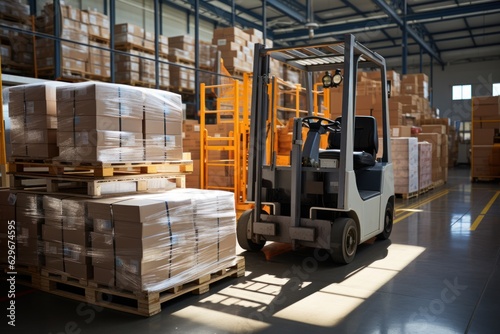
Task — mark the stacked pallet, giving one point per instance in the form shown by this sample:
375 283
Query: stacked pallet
16 49
485 138
191 143
137 67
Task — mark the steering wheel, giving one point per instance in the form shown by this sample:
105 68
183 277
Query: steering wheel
330 125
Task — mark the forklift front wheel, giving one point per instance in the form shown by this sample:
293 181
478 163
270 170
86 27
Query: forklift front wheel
344 240
388 222
241 233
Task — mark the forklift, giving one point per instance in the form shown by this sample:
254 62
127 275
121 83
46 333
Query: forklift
332 198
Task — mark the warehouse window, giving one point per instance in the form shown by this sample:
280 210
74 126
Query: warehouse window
462 92
496 89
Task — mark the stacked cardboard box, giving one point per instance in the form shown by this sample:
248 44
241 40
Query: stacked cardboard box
29 219
182 78
98 65
181 49
406 165
138 66
74 56
424 165
16 48
52 232
76 238
191 143
99 122
102 239
443 160
33 116
436 140
162 125
142 243
89 29
415 84
486 137
237 47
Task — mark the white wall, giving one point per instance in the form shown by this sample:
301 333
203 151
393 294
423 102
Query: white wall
481 75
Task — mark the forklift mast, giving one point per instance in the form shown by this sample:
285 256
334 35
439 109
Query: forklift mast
319 58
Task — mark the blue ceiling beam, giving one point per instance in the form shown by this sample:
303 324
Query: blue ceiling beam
464 10
226 16
288 10
337 29
242 10
394 16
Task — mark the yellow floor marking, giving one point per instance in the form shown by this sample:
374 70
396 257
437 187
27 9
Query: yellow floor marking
416 205
485 210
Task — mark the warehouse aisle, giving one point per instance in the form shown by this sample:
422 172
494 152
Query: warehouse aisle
435 275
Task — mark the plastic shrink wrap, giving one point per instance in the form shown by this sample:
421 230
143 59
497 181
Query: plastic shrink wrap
146 242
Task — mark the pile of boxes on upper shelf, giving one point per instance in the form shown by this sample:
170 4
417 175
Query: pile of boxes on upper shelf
16 49
129 241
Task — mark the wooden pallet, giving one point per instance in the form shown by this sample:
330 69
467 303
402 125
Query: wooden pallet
139 302
438 183
61 276
181 60
426 189
408 195
135 47
98 168
95 187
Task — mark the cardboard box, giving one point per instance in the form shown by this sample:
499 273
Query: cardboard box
52 233
76 236
75 253
105 276
140 230
137 275
85 123
140 210
103 250
434 128
54 263
401 131
78 270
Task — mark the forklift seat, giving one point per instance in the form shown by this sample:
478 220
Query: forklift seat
365 142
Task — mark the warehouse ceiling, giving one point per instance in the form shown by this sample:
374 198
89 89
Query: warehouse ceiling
450 32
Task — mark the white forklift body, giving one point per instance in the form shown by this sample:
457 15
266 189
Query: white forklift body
332 199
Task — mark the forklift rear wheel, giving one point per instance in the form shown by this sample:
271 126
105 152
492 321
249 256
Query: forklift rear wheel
388 222
241 233
344 240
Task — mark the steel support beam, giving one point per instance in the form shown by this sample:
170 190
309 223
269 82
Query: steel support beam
455 12
404 43
288 10
157 13
57 42
392 14
112 20
197 54
264 19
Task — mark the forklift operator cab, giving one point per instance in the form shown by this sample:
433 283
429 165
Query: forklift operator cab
333 198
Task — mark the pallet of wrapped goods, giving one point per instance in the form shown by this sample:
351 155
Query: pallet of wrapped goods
436 140
145 249
406 166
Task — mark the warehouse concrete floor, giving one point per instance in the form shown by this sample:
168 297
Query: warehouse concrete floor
434 275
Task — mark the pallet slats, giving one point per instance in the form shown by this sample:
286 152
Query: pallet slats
140 303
